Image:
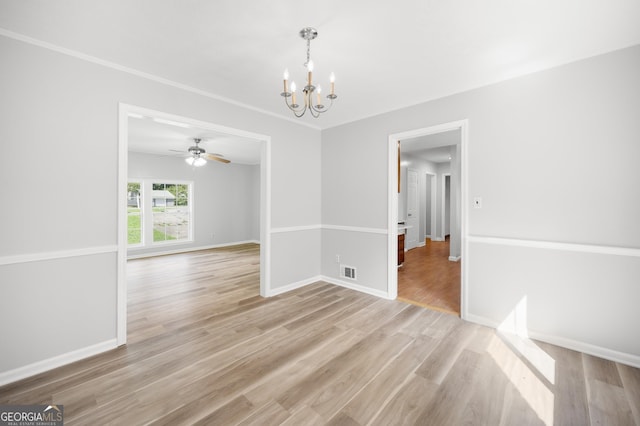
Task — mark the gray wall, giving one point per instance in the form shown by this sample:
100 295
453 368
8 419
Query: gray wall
65 202
226 198
554 156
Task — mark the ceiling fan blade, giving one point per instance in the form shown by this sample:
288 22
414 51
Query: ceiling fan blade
177 150
216 158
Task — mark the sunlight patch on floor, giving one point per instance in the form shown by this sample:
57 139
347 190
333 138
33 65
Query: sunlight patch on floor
515 331
505 352
532 389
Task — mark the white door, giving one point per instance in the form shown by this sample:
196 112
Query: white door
413 212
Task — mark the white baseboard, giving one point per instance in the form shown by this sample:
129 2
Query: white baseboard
454 258
356 287
188 249
422 244
587 348
437 239
293 286
330 280
38 367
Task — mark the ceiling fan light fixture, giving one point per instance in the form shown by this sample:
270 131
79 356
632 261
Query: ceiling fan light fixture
195 161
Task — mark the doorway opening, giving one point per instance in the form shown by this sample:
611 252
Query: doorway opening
183 129
437 157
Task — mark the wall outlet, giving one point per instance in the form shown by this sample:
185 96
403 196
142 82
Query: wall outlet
337 258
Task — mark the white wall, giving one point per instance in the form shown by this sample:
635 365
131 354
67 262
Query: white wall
225 199
65 207
554 157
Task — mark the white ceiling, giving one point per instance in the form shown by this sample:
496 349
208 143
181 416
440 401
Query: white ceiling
149 136
435 148
386 55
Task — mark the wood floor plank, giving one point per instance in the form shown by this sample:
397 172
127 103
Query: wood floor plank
436 367
486 401
331 386
407 404
631 382
293 373
365 405
606 396
304 416
231 413
204 347
608 404
601 369
570 390
271 413
454 391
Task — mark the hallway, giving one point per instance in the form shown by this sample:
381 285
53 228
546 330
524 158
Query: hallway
429 279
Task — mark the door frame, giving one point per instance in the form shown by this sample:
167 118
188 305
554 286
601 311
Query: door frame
443 201
392 204
434 207
124 112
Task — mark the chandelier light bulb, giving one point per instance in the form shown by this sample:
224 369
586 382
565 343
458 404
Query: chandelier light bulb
286 77
293 93
310 66
332 80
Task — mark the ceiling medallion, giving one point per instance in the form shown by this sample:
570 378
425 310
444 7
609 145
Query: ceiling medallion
311 103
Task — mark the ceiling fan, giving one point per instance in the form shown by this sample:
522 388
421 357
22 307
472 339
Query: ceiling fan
198 156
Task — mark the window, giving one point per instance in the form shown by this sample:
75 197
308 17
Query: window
159 212
171 211
134 213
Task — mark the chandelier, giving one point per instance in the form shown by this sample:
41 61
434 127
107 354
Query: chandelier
314 104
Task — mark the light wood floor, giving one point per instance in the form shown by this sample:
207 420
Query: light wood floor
204 348
428 278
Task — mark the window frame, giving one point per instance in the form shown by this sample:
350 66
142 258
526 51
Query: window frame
146 212
190 191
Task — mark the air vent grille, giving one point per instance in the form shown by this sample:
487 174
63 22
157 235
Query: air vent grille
348 272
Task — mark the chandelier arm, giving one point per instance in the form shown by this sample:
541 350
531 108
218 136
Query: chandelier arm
324 108
314 112
298 112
